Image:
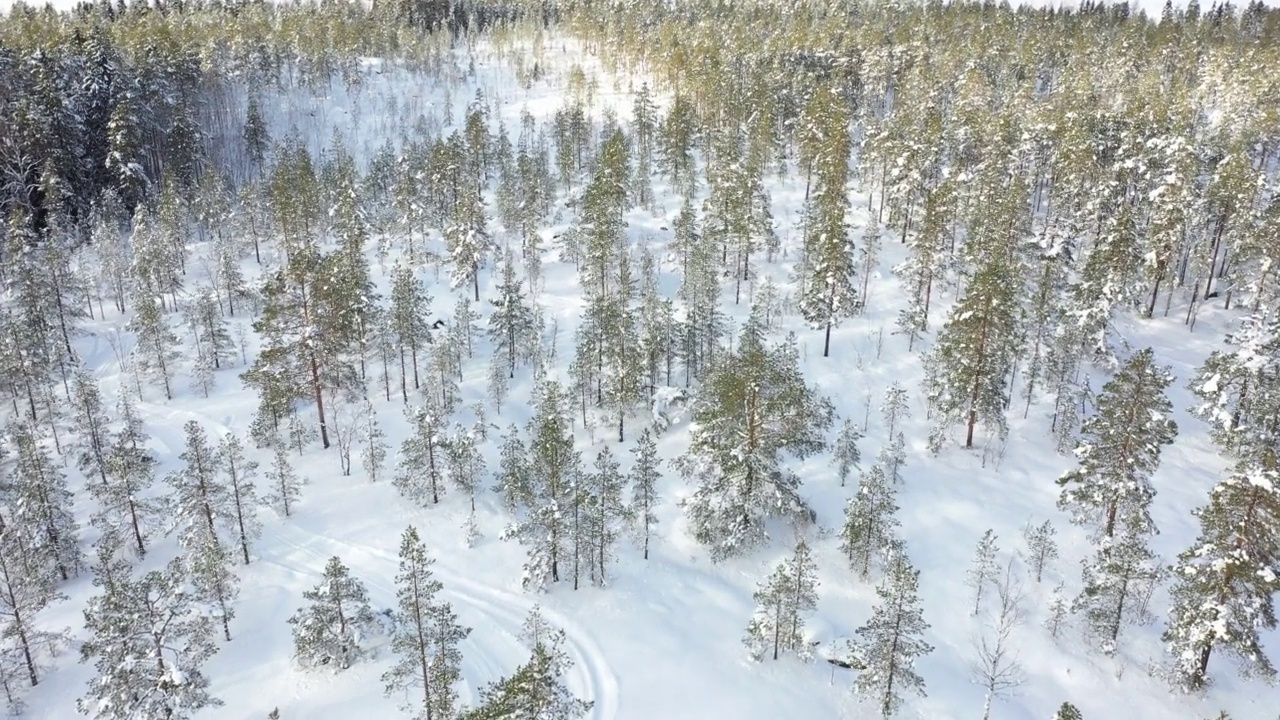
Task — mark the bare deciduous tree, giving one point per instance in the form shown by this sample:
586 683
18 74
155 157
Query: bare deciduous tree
996 666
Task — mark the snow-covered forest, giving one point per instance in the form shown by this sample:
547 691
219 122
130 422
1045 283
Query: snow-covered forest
557 359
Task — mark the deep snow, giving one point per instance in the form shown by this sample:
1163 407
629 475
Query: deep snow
664 640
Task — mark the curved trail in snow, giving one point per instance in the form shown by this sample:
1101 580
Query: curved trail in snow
590 676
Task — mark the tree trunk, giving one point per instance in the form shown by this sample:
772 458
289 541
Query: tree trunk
137 531
319 393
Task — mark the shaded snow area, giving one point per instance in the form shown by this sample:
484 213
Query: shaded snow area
664 640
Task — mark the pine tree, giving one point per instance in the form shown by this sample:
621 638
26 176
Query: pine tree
782 600
467 241
228 253
26 588
150 641
240 473
426 636
1067 712
511 324
122 505
408 320
464 464
895 406
328 630
284 483
889 644
1118 582
421 472
42 508
553 471
870 522
1041 549
213 340
535 691
644 478
91 425
1225 583
829 294
847 454
984 569
155 352
606 512
199 499
212 582
1120 450
513 481
1059 608
969 369
893 457
752 407
373 452
306 324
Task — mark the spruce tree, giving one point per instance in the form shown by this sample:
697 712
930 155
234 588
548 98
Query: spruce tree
1225 583
895 406
467 241
513 480
829 294
426 637
328 630
644 478
889 644
1059 608
782 600
1120 449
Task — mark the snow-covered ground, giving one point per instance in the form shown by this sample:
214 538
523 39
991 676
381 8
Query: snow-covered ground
664 640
